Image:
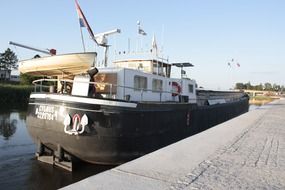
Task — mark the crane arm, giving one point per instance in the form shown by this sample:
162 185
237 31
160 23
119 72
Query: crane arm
101 38
51 52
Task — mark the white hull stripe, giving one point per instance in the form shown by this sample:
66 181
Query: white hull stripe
83 100
71 108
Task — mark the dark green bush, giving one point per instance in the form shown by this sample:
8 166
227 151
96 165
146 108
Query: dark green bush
14 96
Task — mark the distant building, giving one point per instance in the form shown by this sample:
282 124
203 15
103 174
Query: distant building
5 74
15 76
8 75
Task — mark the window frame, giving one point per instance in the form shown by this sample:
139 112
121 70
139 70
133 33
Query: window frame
191 88
139 88
156 89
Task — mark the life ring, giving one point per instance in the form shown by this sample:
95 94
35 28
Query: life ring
177 87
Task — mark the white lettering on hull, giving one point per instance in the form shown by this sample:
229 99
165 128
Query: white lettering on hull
46 112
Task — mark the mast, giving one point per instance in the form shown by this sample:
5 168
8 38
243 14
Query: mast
82 39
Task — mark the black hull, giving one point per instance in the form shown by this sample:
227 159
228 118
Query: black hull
117 134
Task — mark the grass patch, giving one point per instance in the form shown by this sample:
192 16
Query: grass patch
261 100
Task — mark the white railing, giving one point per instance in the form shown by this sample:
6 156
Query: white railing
49 85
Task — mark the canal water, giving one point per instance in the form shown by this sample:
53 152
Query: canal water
18 167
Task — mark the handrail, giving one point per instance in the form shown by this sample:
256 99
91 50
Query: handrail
112 86
141 90
102 83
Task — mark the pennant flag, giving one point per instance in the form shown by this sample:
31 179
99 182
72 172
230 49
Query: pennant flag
83 22
153 43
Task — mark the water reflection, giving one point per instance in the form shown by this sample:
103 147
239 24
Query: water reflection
43 176
18 167
7 126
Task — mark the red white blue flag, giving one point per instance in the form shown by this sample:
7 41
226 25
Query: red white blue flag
82 20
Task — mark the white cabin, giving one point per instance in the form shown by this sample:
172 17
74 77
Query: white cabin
143 80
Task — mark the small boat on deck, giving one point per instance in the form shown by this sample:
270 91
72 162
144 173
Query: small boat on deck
69 64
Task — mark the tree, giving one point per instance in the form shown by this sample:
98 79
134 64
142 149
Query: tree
282 89
248 86
267 86
239 86
8 61
276 87
259 87
27 79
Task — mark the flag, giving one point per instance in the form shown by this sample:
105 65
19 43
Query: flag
83 22
141 31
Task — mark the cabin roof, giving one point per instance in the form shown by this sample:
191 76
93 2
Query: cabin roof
141 60
186 64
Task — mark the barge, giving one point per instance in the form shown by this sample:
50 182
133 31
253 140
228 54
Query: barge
111 115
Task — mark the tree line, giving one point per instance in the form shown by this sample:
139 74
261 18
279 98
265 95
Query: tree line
8 60
266 86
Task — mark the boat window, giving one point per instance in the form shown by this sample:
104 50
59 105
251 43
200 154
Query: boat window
190 87
106 83
140 83
156 85
158 69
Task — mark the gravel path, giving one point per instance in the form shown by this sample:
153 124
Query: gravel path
254 160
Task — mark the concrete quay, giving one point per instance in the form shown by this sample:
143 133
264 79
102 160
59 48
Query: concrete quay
247 152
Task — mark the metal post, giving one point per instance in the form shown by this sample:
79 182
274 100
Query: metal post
111 86
82 39
41 86
141 94
106 56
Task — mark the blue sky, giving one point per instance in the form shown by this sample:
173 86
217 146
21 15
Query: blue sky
207 33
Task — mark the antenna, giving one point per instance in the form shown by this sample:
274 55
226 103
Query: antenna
162 39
